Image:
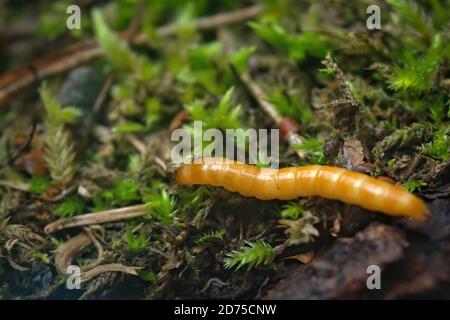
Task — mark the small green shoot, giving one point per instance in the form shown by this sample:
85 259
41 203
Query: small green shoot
210 236
251 255
161 205
147 276
224 116
39 184
414 185
439 147
116 51
42 256
239 59
292 210
288 106
126 191
413 16
314 150
417 75
297 46
136 243
59 152
71 206
129 127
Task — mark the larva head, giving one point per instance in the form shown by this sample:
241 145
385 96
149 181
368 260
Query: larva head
182 175
189 174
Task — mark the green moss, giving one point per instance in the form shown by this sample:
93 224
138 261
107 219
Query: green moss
136 243
39 184
59 152
210 236
297 46
223 116
292 210
251 255
161 205
71 206
115 50
439 147
414 185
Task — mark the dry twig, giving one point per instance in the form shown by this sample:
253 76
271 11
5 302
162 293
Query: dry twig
97 218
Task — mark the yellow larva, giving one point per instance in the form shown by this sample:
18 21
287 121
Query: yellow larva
290 183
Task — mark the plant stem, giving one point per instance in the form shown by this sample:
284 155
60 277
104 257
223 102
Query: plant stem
97 218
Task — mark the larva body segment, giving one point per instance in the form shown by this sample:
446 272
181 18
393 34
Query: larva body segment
290 183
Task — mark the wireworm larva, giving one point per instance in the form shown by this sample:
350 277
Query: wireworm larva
315 180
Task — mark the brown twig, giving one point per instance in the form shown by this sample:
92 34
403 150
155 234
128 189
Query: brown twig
259 96
136 143
82 52
98 245
112 267
287 126
97 218
8 246
74 246
70 249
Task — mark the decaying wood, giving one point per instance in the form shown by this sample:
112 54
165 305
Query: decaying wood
341 272
421 274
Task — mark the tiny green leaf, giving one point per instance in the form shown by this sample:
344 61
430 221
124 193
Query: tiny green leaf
71 206
115 50
252 254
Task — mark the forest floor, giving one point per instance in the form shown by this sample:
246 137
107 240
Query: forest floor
89 207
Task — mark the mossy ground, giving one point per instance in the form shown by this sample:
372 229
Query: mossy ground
375 101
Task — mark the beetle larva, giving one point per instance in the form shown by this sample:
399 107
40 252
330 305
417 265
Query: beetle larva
315 180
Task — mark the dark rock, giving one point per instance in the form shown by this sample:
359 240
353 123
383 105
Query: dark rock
81 88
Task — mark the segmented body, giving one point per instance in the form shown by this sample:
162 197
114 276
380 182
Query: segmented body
290 183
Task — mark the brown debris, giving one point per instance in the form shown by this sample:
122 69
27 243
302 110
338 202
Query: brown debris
73 247
421 274
69 250
352 154
304 258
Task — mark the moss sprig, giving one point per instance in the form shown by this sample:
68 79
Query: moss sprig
251 255
59 152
